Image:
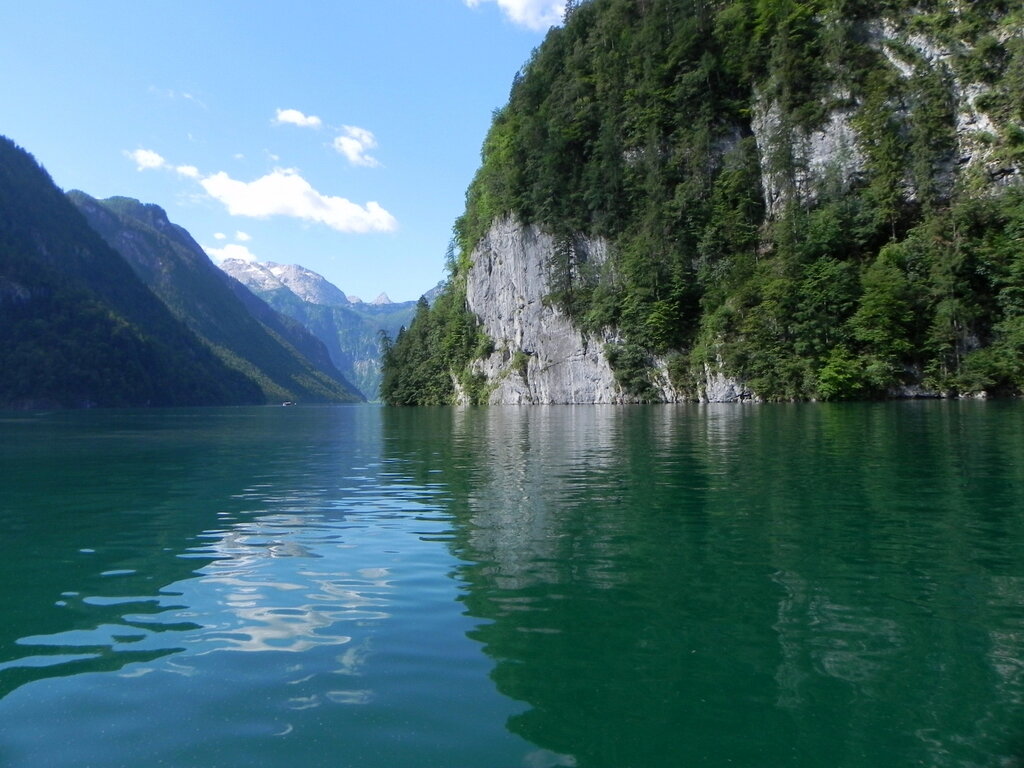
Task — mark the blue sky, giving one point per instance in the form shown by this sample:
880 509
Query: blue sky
336 134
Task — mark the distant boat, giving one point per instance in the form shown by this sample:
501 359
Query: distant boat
286 403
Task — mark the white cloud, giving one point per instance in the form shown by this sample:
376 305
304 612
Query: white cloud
354 144
175 95
146 159
219 236
294 117
230 251
533 14
285 193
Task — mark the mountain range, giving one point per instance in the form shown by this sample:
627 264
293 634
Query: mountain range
107 303
80 328
349 328
283 358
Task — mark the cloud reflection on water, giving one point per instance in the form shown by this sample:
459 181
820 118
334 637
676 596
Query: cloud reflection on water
250 597
264 605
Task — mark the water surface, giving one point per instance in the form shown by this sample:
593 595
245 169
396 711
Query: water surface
809 585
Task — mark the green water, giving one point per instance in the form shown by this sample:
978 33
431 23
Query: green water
606 587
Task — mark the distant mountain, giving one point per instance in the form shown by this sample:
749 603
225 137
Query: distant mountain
277 353
349 327
433 293
304 283
80 329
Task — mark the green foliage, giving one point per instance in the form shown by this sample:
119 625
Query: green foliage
884 321
635 122
631 366
426 359
843 377
283 359
520 363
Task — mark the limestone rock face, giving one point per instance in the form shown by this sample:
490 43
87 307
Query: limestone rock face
913 52
812 156
716 387
13 293
796 162
539 355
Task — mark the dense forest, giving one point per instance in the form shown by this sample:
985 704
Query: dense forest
701 140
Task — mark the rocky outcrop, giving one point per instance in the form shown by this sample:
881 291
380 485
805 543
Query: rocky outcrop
912 52
540 356
13 293
716 387
797 162
859 128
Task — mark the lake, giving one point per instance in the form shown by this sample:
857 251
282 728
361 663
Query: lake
606 587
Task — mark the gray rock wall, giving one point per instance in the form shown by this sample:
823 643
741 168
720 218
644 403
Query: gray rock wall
539 355
796 163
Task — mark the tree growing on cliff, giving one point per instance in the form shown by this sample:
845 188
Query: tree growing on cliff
677 131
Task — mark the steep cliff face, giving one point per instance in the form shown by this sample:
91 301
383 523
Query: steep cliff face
797 162
540 356
930 123
745 200
914 53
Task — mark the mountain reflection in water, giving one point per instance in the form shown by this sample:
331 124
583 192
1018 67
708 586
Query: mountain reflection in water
776 585
599 587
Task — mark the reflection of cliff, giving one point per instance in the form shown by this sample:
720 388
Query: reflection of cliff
773 586
590 554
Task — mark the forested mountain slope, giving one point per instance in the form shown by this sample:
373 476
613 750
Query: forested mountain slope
284 359
78 327
742 199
